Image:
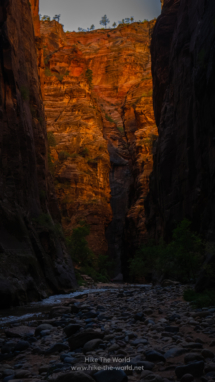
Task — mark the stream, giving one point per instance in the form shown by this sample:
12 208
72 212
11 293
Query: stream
37 309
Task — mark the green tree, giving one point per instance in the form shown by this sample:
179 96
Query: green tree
180 259
186 248
123 21
92 27
78 245
114 25
127 20
51 139
80 29
132 19
104 21
57 18
46 18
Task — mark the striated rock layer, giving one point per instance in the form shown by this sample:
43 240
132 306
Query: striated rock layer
33 259
183 59
98 105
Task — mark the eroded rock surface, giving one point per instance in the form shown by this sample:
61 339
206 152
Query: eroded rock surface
33 259
104 128
183 59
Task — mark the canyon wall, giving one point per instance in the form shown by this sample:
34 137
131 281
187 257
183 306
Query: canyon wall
183 60
33 258
98 105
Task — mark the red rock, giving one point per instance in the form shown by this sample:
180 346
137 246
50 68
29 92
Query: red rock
113 120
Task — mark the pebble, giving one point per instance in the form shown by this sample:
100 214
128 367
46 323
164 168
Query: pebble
124 328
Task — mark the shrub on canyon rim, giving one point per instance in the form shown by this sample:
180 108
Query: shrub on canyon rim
180 259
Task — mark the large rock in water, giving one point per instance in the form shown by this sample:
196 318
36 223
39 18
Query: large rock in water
33 261
182 183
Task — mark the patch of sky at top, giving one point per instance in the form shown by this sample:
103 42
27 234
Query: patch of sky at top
84 13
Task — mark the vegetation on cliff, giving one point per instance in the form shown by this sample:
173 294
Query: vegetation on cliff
200 300
100 116
103 22
180 259
86 262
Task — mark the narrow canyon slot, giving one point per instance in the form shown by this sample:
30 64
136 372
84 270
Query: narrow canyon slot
107 179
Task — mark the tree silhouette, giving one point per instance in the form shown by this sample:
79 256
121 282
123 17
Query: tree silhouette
132 19
92 27
56 18
80 29
114 25
104 21
123 21
127 20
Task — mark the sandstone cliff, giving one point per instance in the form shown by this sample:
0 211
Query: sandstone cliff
33 258
98 105
183 59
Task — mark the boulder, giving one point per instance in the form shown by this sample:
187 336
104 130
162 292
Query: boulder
174 352
42 327
78 340
20 331
195 368
154 356
71 329
91 345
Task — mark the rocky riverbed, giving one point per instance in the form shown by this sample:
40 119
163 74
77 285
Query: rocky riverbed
122 334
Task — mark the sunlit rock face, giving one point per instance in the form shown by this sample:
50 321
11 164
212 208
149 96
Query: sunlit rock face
183 62
33 258
104 133
34 4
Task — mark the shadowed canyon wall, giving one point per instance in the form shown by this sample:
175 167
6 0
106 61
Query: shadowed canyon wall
98 105
183 60
33 259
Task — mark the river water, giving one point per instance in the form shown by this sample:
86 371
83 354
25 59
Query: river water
38 309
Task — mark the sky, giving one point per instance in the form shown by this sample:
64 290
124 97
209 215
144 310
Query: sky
84 13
